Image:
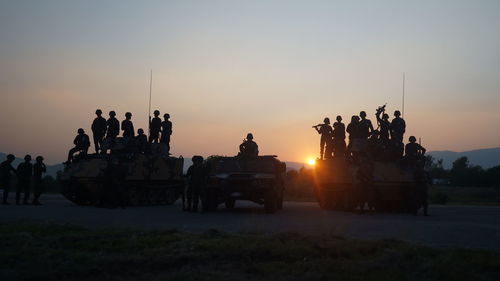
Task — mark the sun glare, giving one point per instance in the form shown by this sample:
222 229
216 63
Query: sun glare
311 162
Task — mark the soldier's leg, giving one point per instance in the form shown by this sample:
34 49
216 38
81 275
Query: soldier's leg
322 143
189 195
96 143
6 190
26 187
37 191
71 152
196 198
19 189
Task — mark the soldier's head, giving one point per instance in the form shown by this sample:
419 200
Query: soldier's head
354 119
385 116
156 113
166 116
362 114
39 159
140 132
128 115
27 158
81 131
339 118
249 136
11 157
112 113
98 112
397 113
412 139
197 159
326 120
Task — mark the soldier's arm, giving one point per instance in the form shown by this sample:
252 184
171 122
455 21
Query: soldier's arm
423 149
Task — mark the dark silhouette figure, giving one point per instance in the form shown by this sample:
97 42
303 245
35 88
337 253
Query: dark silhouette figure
154 127
6 171
414 151
326 132
141 141
166 131
384 125
98 130
24 174
249 147
365 126
113 126
352 129
422 190
339 146
81 143
39 169
398 127
197 176
128 126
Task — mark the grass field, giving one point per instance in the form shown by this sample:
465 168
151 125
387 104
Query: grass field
464 195
62 252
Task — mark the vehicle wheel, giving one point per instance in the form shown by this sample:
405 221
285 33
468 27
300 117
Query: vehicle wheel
229 203
271 202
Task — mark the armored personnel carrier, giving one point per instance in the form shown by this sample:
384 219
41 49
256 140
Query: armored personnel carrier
258 179
346 185
124 178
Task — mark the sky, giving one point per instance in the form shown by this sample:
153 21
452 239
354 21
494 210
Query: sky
222 69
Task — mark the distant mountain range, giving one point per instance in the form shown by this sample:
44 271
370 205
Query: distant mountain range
485 158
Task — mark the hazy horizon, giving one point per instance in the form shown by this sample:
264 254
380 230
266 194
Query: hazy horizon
226 68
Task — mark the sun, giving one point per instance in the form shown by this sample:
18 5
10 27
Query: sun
311 162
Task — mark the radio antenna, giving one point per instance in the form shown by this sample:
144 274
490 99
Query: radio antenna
150 91
403 108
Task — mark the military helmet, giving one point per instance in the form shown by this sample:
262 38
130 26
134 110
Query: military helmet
39 158
397 113
27 157
339 118
326 120
156 112
413 139
98 112
166 115
385 116
249 136
112 113
128 114
11 157
197 158
140 131
362 114
81 131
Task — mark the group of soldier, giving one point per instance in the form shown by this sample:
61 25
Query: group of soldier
383 143
27 173
105 133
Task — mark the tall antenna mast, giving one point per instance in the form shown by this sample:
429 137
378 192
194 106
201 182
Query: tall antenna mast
149 107
403 109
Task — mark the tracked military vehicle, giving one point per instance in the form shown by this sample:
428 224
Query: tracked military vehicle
341 184
124 177
259 179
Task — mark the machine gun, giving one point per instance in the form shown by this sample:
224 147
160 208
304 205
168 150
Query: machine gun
380 109
316 126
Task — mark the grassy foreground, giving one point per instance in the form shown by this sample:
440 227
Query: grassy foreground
61 252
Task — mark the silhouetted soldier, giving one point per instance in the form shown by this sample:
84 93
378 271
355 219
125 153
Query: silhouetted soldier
81 143
38 169
113 126
166 131
352 129
197 177
398 127
385 126
128 126
339 145
365 126
141 141
98 130
24 174
5 176
414 151
154 127
249 147
326 132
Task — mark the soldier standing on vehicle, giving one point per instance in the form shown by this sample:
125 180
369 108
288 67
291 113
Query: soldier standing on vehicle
154 127
128 126
339 145
24 174
197 177
249 147
5 176
98 130
352 129
141 141
81 143
38 169
326 132
398 127
365 126
384 125
166 131
113 126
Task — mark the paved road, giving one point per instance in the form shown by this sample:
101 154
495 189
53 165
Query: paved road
448 226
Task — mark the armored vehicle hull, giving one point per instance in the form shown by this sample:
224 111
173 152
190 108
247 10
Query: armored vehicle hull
257 179
127 179
383 186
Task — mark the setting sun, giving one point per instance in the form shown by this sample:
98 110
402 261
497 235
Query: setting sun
311 162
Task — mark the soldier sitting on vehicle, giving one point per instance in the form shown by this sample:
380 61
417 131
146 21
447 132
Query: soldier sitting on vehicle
413 151
249 147
197 177
82 144
141 141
